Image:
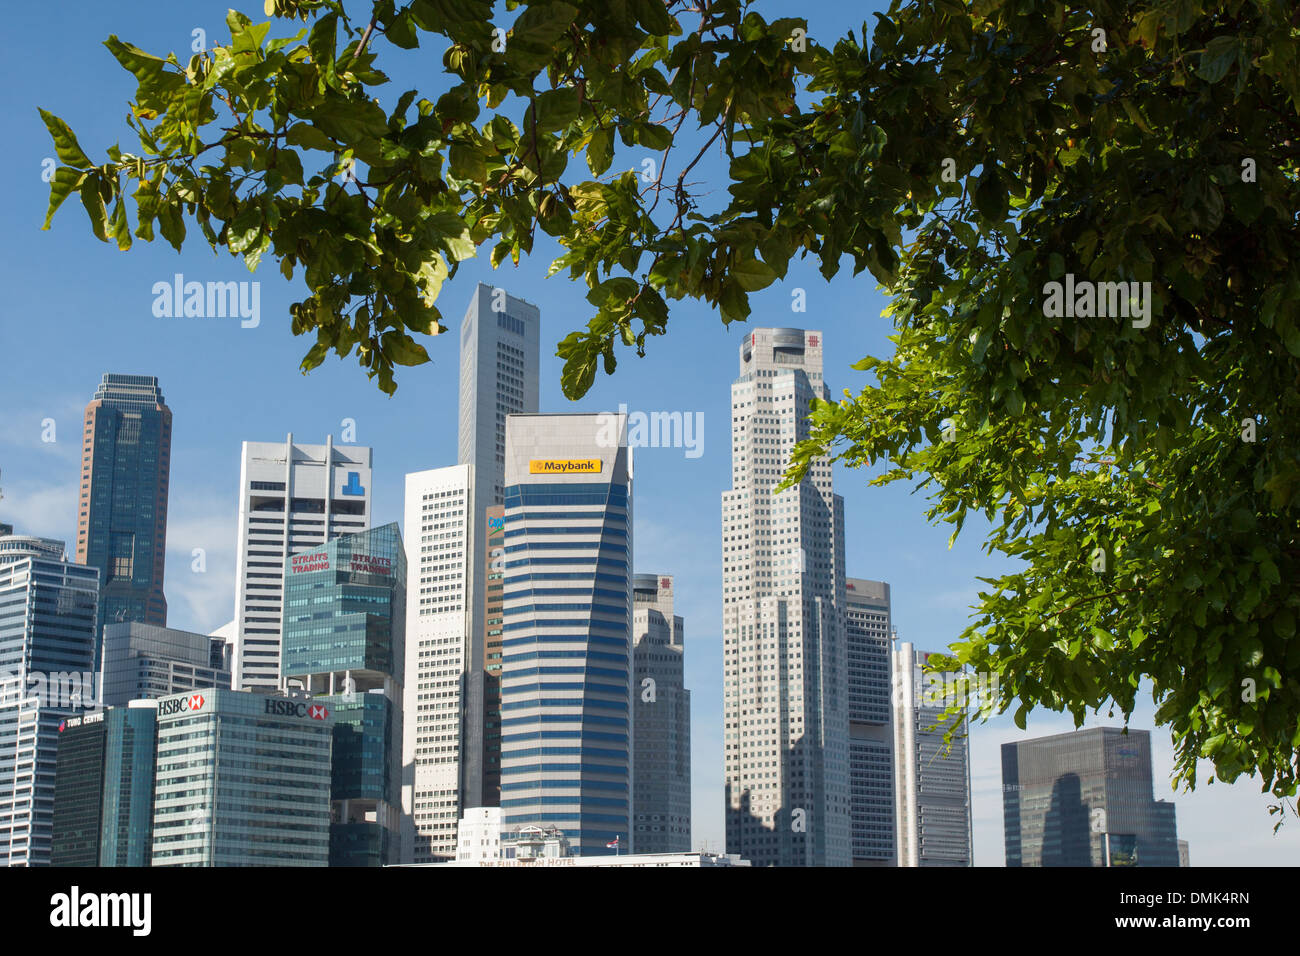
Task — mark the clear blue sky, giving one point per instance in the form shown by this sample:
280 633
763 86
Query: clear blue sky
75 308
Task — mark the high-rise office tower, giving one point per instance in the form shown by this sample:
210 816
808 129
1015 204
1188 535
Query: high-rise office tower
871 745
243 779
344 629
785 705
141 661
103 790
291 497
566 665
47 646
499 369
931 777
122 511
494 574
1085 798
437 731
661 723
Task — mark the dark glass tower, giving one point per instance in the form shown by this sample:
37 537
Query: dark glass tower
342 641
122 513
103 790
1085 799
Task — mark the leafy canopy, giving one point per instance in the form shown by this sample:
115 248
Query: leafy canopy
1146 476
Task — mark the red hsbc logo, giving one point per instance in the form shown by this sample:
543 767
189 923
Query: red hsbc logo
196 702
318 712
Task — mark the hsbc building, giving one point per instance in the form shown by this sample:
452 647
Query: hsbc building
243 779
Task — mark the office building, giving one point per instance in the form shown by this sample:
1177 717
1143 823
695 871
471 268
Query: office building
292 497
48 608
499 369
785 704
932 775
1184 854
478 836
122 511
493 611
1085 799
344 628
243 779
867 620
103 790
661 724
566 690
437 728
145 661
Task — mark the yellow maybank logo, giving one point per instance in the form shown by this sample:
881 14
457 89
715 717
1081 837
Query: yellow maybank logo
570 466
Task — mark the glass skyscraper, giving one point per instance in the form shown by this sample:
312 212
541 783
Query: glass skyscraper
122 512
785 674
47 638
103 791
1085 799
566 690
342 643
243 779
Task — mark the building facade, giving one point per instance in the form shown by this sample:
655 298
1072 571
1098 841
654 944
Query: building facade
243 779
103 792
500 358
1085 799
343 644
291 497
437 522
566 689
122 510
478 837
868 626
48 613
143 661
932 776
661 725
493 619
785 705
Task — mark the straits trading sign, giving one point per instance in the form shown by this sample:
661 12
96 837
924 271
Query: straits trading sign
567 466
316 561
371 564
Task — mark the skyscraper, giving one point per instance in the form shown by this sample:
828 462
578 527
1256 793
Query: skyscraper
291 497
103 791
122 511
437 730
47 645
785 705
871 747
661 724
494 575
566 666
243 779
344 628
499 368
932 778
1085 798
143 661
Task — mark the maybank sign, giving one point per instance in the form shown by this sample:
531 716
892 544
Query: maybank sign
567 466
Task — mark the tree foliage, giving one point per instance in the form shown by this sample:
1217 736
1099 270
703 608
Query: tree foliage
1146 476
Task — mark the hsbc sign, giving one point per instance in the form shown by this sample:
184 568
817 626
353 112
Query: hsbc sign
284 707
180 705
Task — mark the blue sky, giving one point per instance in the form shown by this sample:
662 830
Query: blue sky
75 308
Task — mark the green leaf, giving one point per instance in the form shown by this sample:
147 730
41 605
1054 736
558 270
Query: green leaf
65 182
1219 55
600 151
65 144
753 274
95 209
556 109
403 349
